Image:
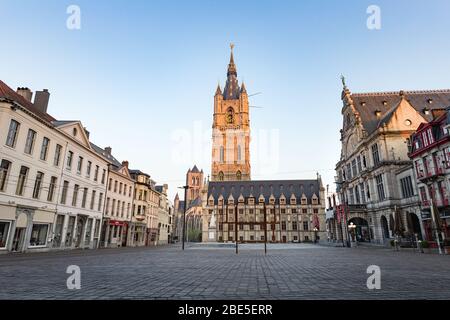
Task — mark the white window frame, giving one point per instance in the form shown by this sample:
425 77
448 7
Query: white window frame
8 234
46 235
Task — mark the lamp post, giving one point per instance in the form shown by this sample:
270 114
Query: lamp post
184 214
265 228
315 234
352 228
236 233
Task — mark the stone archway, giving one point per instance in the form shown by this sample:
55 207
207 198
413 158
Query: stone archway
413 224
384 227
21 230
362 230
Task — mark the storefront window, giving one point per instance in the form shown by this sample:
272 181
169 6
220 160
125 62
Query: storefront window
39 235
4 230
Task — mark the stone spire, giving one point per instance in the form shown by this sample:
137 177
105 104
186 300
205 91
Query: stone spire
243 89
231 90
218 90
231 66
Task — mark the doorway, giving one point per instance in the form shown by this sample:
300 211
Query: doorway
79 235
19 236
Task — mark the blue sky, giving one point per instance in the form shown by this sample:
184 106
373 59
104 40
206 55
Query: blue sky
138 72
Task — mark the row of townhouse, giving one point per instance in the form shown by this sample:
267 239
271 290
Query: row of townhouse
58 190
376 181
430 151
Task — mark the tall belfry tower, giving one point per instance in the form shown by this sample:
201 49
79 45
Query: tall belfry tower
231 130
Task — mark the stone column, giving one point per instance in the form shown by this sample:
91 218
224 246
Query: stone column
11 235
106 234
64 231
28 230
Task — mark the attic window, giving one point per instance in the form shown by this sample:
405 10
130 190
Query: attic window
75 131
430 101
363 104
426 111
378 113
385 103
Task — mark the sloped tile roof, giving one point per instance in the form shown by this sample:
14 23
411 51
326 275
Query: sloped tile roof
367 103
7 93
256 188
110 158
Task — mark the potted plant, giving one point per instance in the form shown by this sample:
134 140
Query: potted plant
392 242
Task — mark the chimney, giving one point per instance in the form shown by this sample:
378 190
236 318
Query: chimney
125 164
25 93
41 100
108 151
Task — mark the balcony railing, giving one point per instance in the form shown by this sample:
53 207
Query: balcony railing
430 173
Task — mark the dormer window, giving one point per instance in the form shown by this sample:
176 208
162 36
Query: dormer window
304 201
282 201
426 111
378 113
293 201
430 101
272 200
384 103
363 103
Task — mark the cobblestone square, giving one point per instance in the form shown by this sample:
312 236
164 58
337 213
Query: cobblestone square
294 271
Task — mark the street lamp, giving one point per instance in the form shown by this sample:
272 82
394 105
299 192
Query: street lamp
315 234
352 228
184 213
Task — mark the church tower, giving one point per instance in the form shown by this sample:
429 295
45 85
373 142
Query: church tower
231 130
194 180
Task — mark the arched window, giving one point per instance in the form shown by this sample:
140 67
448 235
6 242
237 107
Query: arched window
220 176
238 175
239 153
230 115
221 153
